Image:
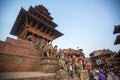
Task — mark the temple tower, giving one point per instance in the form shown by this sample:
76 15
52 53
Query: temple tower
34 24
21 54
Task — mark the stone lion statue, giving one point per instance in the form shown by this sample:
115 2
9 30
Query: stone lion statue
78 69
62 64
42 48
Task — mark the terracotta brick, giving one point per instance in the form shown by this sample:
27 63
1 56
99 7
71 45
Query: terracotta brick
18 55
17 47
18 63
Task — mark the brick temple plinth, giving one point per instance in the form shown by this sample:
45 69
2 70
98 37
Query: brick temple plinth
18 55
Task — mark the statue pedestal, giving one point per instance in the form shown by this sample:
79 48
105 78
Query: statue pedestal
49 65
84 75
62 75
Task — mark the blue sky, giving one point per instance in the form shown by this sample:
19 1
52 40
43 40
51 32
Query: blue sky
87 24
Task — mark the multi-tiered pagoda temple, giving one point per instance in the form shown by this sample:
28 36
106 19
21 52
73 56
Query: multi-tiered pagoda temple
35 23
20 54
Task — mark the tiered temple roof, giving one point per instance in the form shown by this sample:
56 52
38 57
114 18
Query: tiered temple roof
117 30
36 22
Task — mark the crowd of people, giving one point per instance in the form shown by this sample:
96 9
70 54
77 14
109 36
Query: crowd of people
103 74
73 65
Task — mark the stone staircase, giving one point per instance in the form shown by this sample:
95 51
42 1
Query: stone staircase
33 76
27 76
75 78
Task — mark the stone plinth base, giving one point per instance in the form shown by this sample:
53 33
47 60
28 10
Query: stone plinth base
84 75
62 75
48 65
18 55
13 63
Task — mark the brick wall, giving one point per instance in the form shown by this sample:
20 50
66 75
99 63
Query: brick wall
18 47
18 55
14 63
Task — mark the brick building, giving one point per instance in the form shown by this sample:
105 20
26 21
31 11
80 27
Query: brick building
100 58
107 58
116 60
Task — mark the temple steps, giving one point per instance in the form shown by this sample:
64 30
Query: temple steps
75 78
35 76
27 76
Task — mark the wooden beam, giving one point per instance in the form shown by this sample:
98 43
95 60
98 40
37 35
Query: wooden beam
46 30
26 20
37 32
31 23
36 25
41 27
21 28
49 32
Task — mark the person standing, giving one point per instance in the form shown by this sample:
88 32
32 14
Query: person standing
88 66
112 74
101 75
71 70
91 77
